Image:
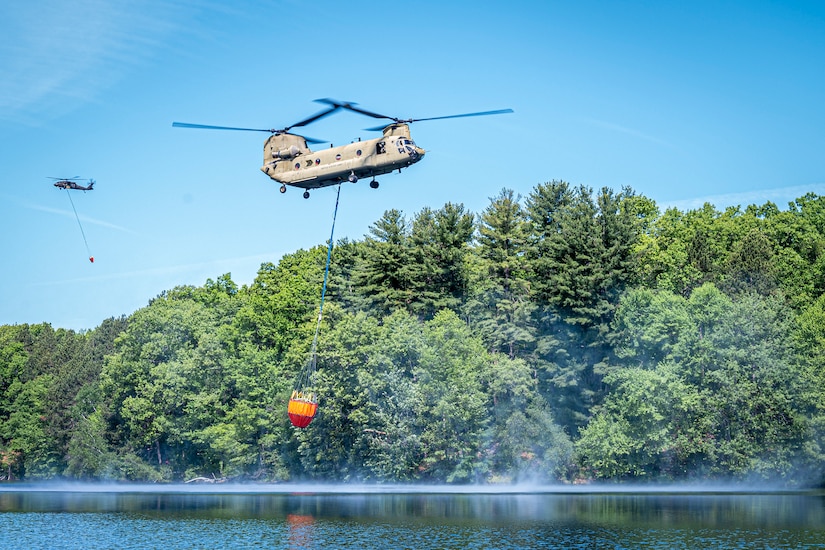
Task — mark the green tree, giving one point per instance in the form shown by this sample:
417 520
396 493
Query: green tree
750 265
582 255
738 357
25 430
500 306
166 384
455 406
524 440
809 336
281 300
393 426
650 426
335 445
440 242
383 274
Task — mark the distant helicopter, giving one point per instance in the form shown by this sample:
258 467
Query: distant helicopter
289 160
71 183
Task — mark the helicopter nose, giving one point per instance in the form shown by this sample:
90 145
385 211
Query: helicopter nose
421 152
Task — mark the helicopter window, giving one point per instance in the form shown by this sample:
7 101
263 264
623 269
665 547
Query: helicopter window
309 163
338 157
317 161
297 165
358 152
381 147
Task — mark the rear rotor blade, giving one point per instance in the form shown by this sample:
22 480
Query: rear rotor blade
411 120
482 113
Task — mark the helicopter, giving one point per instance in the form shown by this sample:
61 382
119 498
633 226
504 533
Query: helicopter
288 159
71 183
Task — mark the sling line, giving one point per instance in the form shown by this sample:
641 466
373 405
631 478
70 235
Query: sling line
303 404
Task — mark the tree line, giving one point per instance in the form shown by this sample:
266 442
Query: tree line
567 336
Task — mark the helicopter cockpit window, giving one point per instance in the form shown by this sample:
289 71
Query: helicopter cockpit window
409 145
381 147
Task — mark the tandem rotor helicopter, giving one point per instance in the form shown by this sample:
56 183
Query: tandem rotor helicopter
289 160
72 183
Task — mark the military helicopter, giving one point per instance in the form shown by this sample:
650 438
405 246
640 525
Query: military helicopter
289 161
71 183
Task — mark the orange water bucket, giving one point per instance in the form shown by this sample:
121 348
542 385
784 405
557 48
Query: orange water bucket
301 409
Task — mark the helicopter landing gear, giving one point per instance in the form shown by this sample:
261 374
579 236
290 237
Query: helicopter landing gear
352 177
282 189
374 184
306 194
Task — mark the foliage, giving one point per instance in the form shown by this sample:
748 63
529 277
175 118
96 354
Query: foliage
574 335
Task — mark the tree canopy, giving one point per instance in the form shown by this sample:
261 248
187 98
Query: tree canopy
568 336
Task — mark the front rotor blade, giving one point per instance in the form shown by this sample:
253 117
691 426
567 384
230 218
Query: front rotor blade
315 117
378 128
351 107
482 113
208 127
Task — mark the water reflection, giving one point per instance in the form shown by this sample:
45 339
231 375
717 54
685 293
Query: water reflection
412 519
659 509
300 530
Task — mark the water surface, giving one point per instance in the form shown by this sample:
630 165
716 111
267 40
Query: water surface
366 517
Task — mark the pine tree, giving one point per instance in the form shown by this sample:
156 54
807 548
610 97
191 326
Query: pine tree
502 298
440 241
383 273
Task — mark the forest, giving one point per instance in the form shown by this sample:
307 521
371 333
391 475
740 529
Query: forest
569 336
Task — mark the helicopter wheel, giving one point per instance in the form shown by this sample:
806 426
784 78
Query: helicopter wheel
306 194
374 184
352 177
282 189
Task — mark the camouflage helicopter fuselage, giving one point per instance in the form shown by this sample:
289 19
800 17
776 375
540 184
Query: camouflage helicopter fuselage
289 161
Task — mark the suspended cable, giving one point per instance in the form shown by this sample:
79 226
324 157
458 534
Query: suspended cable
91 258
304 401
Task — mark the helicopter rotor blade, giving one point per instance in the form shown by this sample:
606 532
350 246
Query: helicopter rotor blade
350 106
270 131
314 117
482 113
209 127
378 128
411 120
304 122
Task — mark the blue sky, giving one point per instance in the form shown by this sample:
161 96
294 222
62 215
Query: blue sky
683 101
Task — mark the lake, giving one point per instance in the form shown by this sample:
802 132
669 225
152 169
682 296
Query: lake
367 517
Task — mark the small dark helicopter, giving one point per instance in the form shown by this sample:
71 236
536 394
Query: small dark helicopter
72 183
289 161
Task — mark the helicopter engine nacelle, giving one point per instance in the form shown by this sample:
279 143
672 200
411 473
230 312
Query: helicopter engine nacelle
287 153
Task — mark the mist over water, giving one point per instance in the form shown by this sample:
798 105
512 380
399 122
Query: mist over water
389 488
